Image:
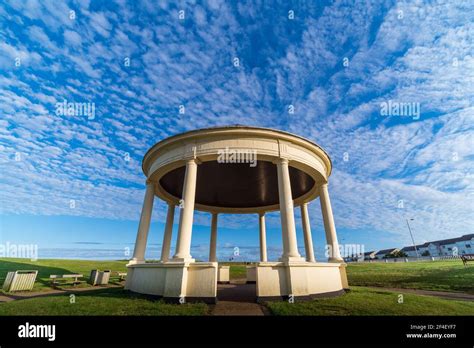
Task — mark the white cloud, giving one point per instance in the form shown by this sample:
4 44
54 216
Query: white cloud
425 57
72 38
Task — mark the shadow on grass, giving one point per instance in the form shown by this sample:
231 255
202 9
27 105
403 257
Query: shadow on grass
117 292
43 275
43 271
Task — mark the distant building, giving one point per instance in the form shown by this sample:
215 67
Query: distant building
410 250
369 255
445 247
386 253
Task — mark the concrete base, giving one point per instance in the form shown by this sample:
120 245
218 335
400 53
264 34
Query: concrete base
223 275
186 282
175 281
282 280
251 274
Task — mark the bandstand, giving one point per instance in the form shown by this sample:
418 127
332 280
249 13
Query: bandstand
187 171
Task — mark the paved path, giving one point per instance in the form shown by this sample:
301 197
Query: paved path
461 296
237 298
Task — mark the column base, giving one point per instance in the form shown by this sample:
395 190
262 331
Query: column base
182 259
288 259
336 260
135 262
251 274
299 279
223 274
174 280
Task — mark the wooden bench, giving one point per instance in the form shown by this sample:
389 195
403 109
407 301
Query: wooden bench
64 278
466 258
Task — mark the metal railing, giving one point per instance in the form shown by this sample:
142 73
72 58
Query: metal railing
411 259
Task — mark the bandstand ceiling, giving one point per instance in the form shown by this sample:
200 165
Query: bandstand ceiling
237 185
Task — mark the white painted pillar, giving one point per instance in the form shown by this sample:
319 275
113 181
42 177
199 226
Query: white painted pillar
144 225
290 248
308 239
165 250
263 238
213 244
329 226
183 244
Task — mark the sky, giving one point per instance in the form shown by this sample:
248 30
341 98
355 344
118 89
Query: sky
385 87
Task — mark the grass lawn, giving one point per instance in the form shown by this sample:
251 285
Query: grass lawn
237 270
438 275
449 275
365 301
46 267
113 301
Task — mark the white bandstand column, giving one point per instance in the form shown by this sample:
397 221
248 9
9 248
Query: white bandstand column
263 238
183 244
308 240
213 244
165 250
290 248
329 226
144 225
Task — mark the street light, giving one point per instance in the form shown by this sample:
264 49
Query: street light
412 239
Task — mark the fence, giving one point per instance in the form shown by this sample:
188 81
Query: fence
410 259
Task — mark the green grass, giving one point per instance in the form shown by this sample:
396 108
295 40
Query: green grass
46 267
365 301
449 275
237 270
438 275
112 301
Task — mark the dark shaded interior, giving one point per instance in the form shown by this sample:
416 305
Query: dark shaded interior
237 185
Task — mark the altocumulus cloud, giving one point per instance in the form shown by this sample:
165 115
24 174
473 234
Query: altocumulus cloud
334 63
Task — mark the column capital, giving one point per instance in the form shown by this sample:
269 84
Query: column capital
148 181
281 161
193 161
325 185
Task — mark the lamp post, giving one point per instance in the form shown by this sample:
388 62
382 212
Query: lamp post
412 239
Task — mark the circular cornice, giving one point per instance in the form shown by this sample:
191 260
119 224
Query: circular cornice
306 158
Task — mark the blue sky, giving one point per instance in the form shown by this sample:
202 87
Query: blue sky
336 63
